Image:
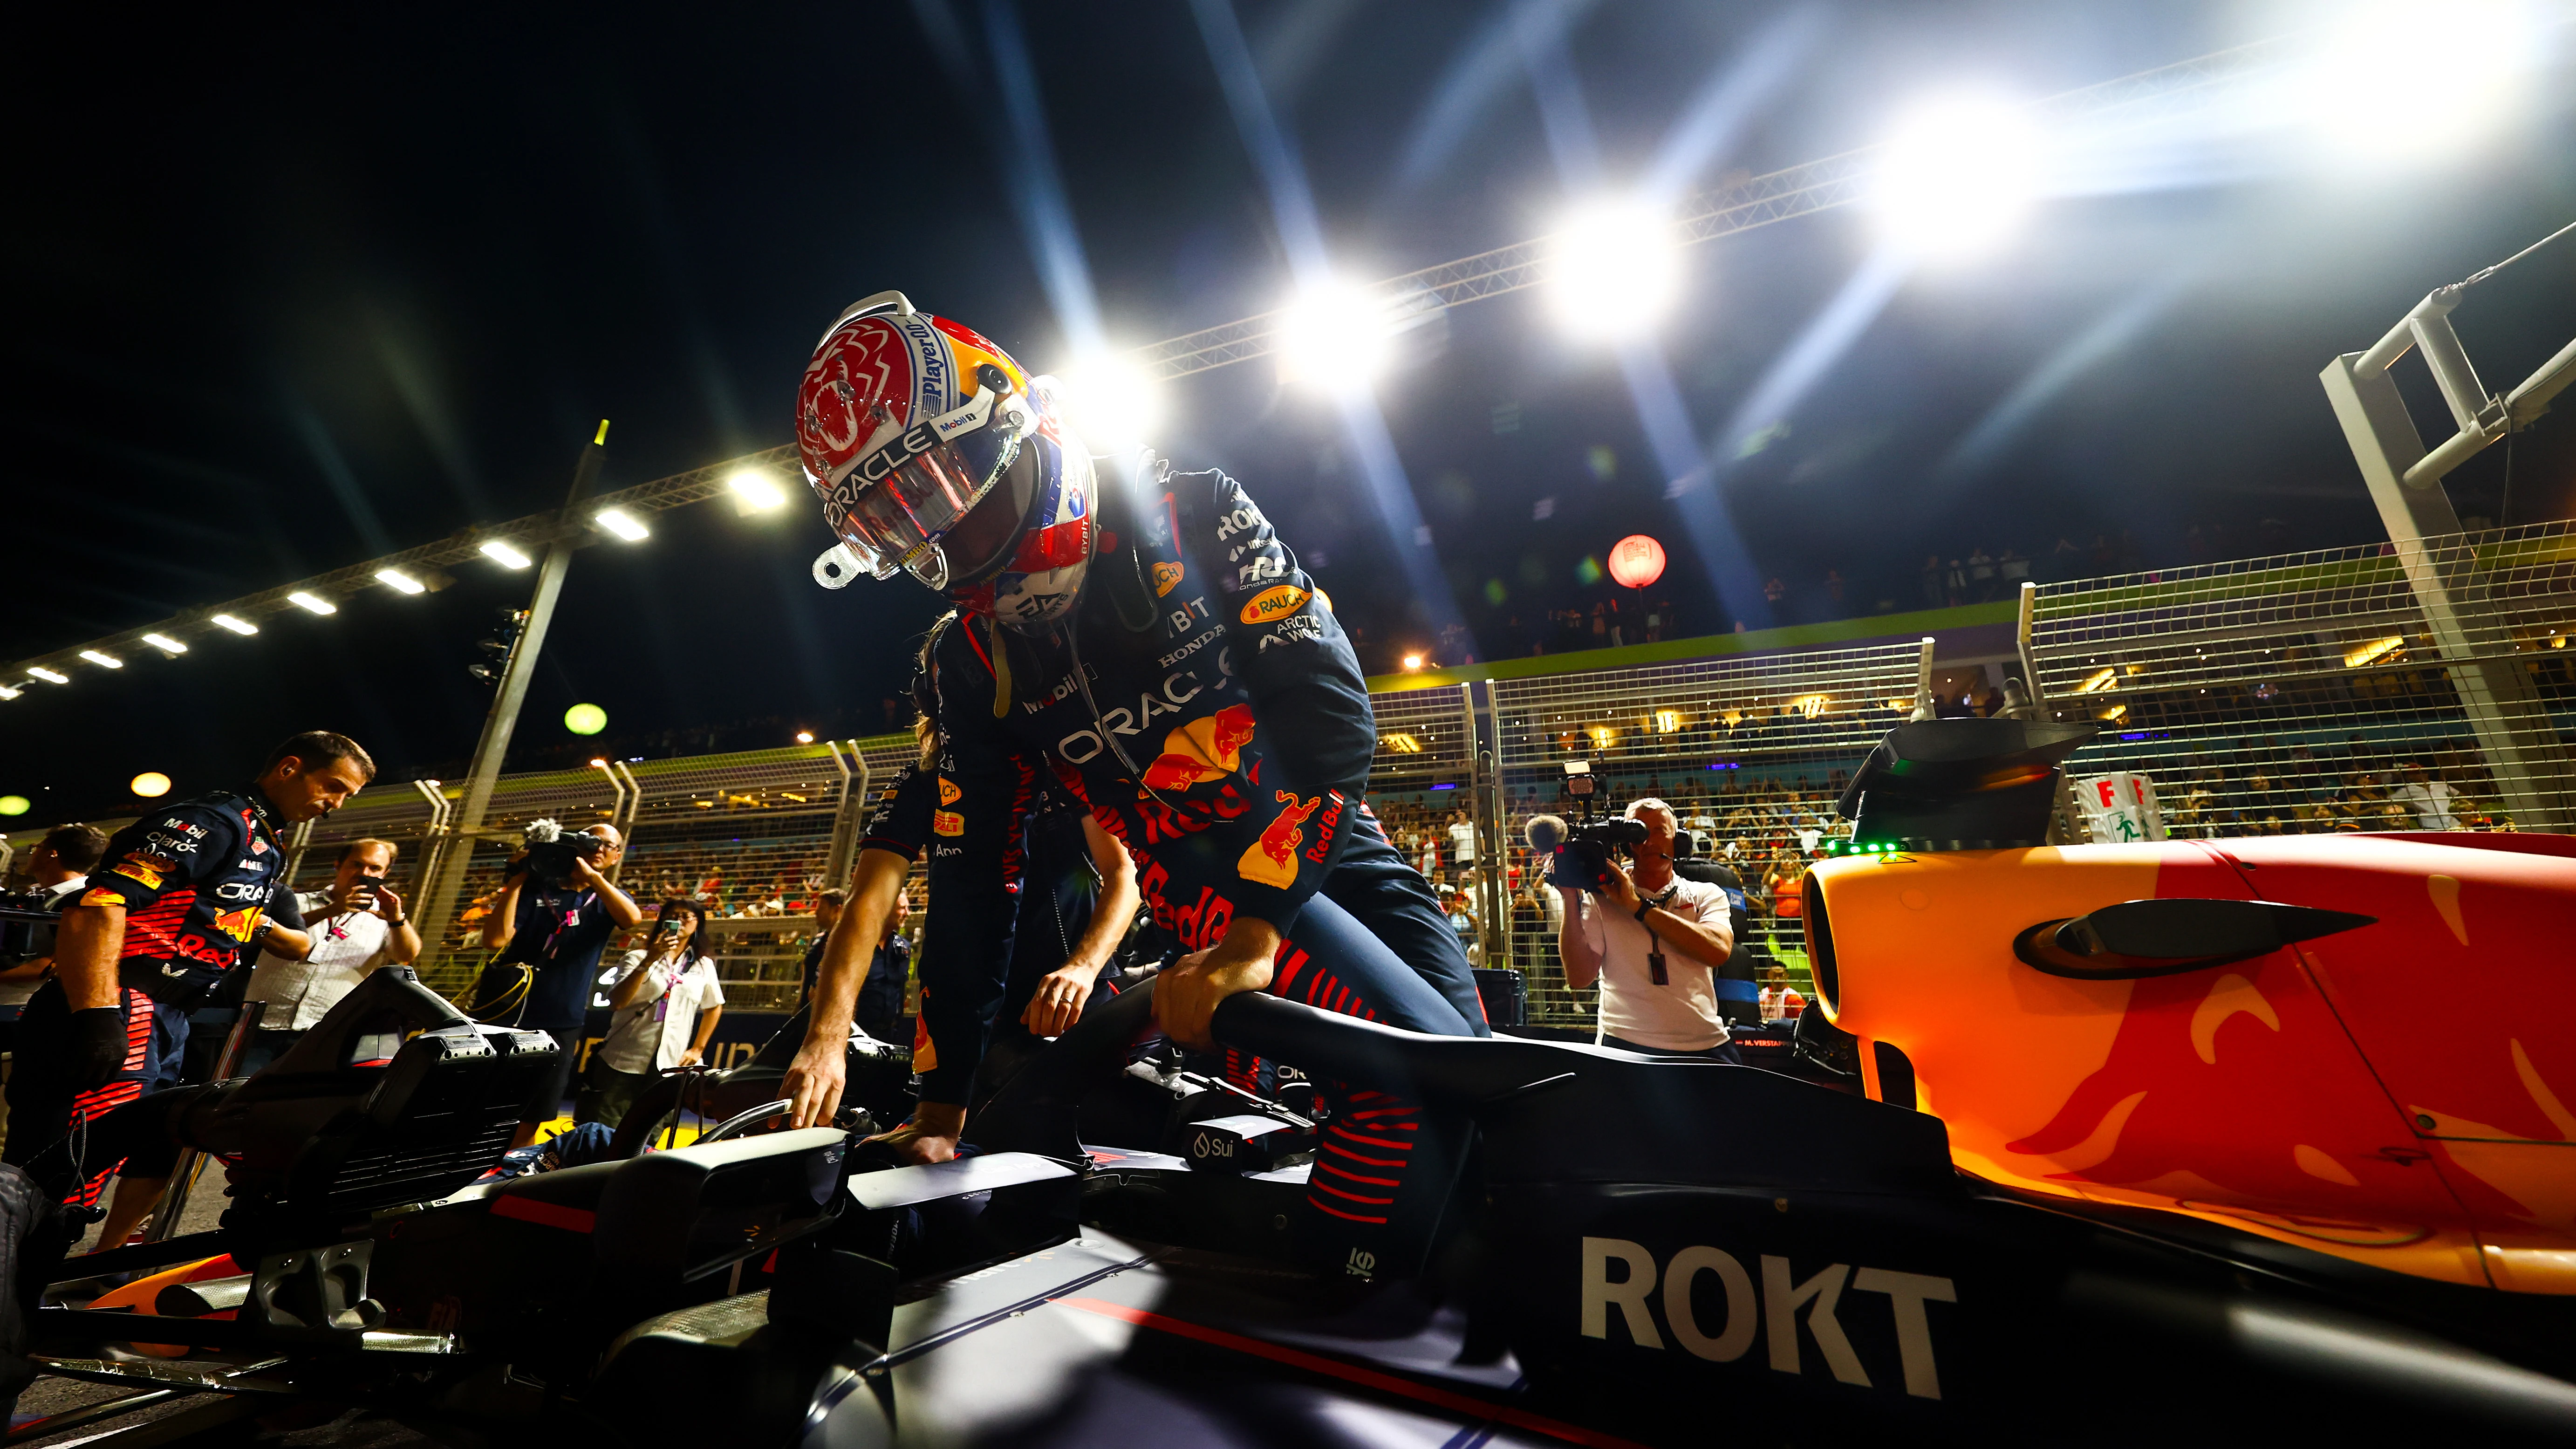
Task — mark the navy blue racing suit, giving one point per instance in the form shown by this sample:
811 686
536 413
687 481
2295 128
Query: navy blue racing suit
1051 883
196 880
1203 703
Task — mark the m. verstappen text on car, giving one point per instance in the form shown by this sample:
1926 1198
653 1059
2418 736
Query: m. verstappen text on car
177 899
1159 646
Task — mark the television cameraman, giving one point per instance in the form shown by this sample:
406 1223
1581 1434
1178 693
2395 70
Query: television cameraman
557 911
1654 941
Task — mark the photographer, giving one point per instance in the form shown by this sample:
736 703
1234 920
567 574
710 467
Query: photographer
1654 941
666 1002
361 926
557 911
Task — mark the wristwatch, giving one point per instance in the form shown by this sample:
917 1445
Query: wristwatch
1644 905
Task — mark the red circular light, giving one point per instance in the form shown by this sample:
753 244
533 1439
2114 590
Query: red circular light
1636 561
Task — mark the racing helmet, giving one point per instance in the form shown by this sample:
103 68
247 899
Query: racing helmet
936 454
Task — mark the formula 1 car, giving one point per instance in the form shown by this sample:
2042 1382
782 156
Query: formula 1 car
1952 1215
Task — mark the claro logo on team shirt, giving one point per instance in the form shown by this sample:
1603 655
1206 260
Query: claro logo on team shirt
1772 1312
1274 603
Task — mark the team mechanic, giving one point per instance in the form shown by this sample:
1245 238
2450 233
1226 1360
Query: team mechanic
168 911
1075 891
1162 648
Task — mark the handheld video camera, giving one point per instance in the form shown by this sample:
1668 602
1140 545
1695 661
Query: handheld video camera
553 849
1579 854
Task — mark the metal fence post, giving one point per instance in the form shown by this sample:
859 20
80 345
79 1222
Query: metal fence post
2505 712
848 816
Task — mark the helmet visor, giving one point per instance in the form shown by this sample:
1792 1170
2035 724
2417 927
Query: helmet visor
899 500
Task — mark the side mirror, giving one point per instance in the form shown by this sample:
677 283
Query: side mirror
2166 937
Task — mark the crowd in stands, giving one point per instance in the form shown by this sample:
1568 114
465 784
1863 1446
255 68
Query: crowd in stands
2266 787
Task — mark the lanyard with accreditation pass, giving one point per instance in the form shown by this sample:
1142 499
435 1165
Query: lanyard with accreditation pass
1655 944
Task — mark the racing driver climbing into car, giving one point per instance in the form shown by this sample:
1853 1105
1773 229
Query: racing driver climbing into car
1160 648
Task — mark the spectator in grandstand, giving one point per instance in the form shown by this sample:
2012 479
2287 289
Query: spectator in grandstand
549 938
1462 842
1932 595
359 925
1780 1000
56 867
2013 571
2427 798
664 1007
1785 882
1429 863
1654 941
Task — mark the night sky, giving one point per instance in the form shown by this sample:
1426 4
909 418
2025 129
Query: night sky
292 292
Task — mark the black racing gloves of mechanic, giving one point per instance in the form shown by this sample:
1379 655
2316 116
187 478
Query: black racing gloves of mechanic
95 1045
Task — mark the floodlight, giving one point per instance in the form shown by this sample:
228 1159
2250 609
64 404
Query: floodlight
103 661
238 626
2406 80
503 554
149 784
624 524
755 491
1613 270
314 602
397 579
1332 337
7 692
1413 661
165 643
1114 402
49 676
804 737
1957 174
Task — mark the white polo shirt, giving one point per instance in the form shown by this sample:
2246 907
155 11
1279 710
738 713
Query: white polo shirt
653 1034
346 946
1679 1016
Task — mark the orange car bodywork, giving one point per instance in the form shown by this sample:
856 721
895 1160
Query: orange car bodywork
2402 1094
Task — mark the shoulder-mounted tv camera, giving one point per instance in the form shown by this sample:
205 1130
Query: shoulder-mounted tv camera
1579 853
552 851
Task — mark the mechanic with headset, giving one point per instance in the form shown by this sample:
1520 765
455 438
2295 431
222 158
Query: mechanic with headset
168 914
1159 647
1074 890
1655 941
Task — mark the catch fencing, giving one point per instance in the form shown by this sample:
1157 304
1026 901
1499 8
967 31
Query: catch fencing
2309 692
2380 688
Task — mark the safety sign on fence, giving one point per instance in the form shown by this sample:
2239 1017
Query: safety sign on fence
2119 807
